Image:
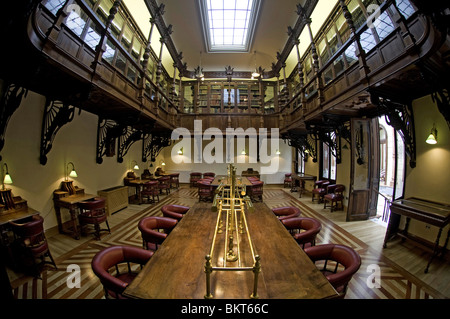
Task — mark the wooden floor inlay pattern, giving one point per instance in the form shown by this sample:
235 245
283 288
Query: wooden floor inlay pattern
395 283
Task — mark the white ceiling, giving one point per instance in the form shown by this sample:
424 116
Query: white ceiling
270 35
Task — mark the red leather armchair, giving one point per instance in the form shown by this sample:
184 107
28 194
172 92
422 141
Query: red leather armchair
341 255
310 226
114 285
93 212
150 188
286 212
30 243
320 189
287 180
164 183
334 195
205 190
194 178
174 211
150 228
257 190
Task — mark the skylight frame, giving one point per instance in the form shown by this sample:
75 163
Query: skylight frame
211 47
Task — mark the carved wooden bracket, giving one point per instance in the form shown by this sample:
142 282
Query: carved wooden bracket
56 115
304 142
153 143
10 100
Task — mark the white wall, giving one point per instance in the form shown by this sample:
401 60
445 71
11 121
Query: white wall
220 168
75 142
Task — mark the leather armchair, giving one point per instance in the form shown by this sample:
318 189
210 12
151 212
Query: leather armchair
286 212
30 243
310 226
150 228
174 211
334 195
94 212
112 256
344 255
320 189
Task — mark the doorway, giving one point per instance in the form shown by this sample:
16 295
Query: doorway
392 169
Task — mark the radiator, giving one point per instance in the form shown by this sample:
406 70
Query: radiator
116 198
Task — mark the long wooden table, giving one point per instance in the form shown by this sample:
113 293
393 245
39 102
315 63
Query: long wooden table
176 270
300 179
436 214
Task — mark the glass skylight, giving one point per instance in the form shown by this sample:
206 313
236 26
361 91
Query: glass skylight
229 24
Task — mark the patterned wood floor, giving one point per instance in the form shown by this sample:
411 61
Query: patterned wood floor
395 282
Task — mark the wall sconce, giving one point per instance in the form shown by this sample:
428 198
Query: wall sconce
7 179
72 173
278 152
432 138
163 163
180 151
243 152
136 166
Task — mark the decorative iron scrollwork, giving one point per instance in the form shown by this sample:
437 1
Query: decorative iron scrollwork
442 99
128 137
11 98
152 145
400 116
304 142
56 115
107 132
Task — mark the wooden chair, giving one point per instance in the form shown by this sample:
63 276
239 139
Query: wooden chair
93 212
114 284
335 194
205 191
320 189
257 190
287 180
150 188
334 255
175 180
164 183
30 244
209 174
194 178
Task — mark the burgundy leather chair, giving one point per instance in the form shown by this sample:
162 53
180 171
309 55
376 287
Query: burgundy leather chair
194 178
30 243
164 183
337 255
257 190
114 285
310 226
287 180
154 231
93 212
334 195
205 190
286 212
175 180
150 188
174 211
209 174
320 189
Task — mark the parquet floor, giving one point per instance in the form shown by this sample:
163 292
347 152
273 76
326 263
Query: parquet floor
396 280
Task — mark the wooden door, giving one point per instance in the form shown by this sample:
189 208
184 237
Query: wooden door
364 177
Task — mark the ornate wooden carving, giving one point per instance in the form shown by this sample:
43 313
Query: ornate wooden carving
128 138
10 101
56 115
153 143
